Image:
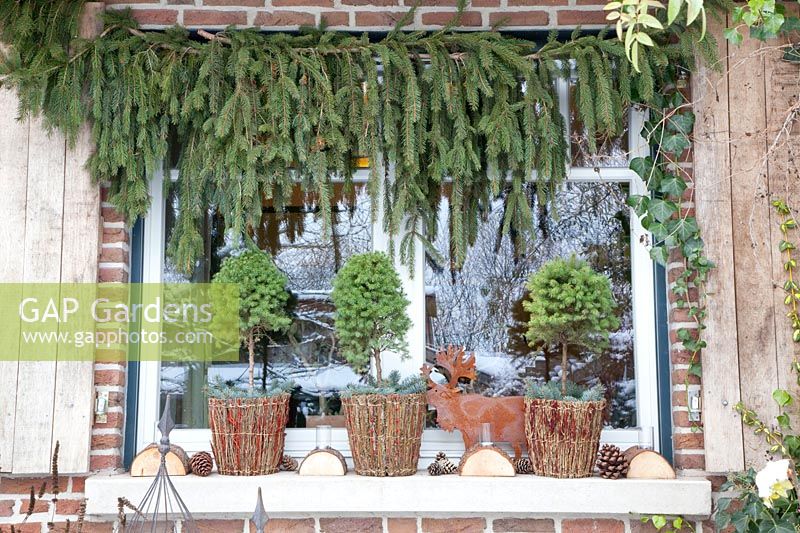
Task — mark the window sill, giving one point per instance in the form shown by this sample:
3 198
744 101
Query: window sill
289 495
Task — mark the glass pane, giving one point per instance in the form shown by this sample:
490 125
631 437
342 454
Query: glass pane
480 306
307 355
611 151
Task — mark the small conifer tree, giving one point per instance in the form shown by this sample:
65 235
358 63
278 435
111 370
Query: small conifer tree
263 297
569 304
370 310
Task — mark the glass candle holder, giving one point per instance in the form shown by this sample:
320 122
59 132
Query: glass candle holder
323 437
646 437
486 434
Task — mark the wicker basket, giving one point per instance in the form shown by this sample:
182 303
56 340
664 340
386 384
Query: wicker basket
247 434
385 432
563 436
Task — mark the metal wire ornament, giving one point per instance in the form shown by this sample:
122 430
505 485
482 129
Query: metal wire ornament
161 505
259 517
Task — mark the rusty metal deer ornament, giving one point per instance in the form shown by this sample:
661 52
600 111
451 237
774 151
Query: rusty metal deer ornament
466 412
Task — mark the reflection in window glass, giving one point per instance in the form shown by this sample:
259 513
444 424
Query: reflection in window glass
480 306
610 151
307 354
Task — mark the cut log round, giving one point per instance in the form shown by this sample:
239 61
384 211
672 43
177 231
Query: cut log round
323 462
147 461
486 461
647 464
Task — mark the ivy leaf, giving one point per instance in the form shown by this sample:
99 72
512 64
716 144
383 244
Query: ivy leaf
682 122
733 36
673 8
782 397
659 254
783 421
659 521
675 144
662 210
672 185
695 369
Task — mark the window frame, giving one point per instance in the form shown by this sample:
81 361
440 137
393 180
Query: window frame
300 441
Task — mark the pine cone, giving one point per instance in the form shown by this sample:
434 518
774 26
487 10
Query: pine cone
201 464
435 469
288 464
611 462
441 456
523 465
447 466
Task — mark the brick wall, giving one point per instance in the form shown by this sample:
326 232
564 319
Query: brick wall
364 14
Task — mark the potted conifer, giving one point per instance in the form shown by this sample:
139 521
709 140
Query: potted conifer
248 425
570 305
384 417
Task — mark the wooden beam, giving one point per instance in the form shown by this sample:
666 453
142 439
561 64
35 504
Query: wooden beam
752 240
722 426
13 180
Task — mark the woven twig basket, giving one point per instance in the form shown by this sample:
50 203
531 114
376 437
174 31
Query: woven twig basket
385 432
563 436
247 434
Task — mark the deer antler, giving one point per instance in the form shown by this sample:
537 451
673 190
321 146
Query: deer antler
457 366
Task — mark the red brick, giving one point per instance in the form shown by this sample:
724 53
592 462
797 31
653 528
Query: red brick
689 461
112 275
68 507
537 3
7 507
155 17
236 3
682 357
115 235
637 526
591 2
113 420
88 527
526 525
104 442
453 525
104 462
22 485
576 18
287 525
284 18
113 255
335 18
79 482
370 2
109 377
39 506
717 482
520 18
378 18
196 17
109 213
681 419
442 18
312 3
681 377
689 441
219 526
592 526
351 525
679 398
401 525
28 527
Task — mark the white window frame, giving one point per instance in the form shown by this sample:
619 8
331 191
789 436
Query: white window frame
300 441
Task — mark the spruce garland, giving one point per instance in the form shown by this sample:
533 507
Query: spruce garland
257 113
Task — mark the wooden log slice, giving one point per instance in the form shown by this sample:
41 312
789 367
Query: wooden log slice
647 464
147 461
486 461
323 462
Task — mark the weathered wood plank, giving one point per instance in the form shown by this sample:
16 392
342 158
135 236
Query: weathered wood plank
752 242
74 388
13 180
782 151
42 260
722 427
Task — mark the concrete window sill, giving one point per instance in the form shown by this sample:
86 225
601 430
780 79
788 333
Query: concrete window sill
287 494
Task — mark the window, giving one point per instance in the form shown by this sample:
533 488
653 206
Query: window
478 306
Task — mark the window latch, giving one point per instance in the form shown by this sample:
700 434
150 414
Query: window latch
694 406
101 408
